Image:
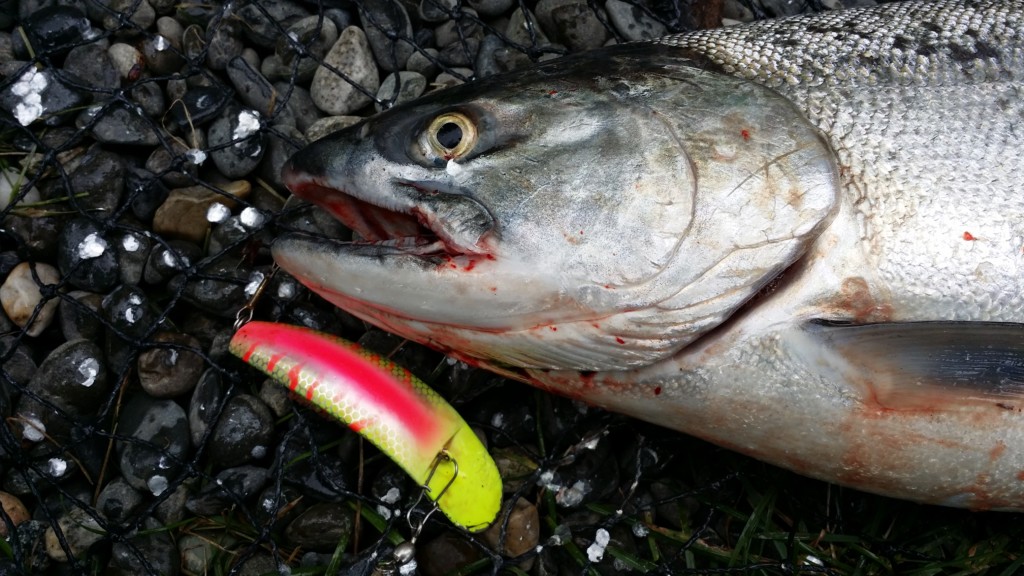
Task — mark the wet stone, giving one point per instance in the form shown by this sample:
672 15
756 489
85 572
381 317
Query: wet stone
128 311
157 443
118 124
299 105
486 63
162 54
351 55
154 544
149 97
389 32
91 64
436 10
29 539
243 432
184 214
127 61
199 105
223 44
204 404
446 553
283 141
86 258
98 181
169 259
321 527
79 315
73 377
573 23
411 85
15 511
230 487
330 125
132 253
632 22
42 95
309 39
262 30
172 509
20 367
424 62
252 88
522 530
461 53
454 31
490 7
21 294
80 531
139 14
221 290
176 166
167 372
118 501
236 142
53 30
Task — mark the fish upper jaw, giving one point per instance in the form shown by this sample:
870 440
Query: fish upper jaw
416 217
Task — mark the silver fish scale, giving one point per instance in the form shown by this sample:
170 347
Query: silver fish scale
922 103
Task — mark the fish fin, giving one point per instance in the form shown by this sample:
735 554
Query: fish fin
928 365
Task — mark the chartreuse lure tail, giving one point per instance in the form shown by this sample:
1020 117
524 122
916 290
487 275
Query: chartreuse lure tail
393 409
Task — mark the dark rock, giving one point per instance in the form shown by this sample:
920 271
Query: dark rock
389 32
79 315
169 259
243 432
236 142
148 95
231 487
145 192
97 182
222 44
252 88
199 106
54 31
91 64
132 254
221 290
162 53
157 443
86 258
260 23
172 367
282 142
321 526
150 552
118 501
204 405
119 124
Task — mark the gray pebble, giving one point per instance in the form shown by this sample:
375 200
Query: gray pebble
573 23
21 295
152 551
79 315
132 253
307 40
276 397
161 54
251 87
411 85
436 10
424 61
91 64
260 24
199 105
85 256
351 55
222 293
172 509
632 22
490 7
73 377
299 104
223 44
524 29
127 61
453 77
156 445
168 259
165 163
236 142
119 124
461 53
382 21
79 531
204 405
283 141
170 29
128 311
243 432
231 487
321 526
97 180
118 501
149 97
172 367
193 43
330 125
139 12
453 31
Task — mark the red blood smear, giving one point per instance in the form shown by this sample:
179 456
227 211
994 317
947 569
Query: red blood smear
745 133
968 236
620 340
657 390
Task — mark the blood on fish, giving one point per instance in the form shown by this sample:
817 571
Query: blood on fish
553 328
969 237
745 134
620 340
657 390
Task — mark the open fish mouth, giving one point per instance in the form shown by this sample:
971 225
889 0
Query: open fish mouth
411 218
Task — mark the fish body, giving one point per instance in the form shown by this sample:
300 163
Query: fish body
800 239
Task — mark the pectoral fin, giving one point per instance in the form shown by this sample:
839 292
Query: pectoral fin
934 366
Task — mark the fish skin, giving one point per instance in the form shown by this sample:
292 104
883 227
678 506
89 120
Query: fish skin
874 339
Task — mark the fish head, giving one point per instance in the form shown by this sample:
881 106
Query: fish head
592 213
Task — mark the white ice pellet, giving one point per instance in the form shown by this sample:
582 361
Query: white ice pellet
286 290
89 369
29 88
130 243
34 430
217 213
248 124
157 484
258 451
58 466
255 279
453 168
92 246
392 496
498 420
251 217
196 156
595 552
161 43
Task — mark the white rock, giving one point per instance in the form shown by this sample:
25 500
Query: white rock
19 296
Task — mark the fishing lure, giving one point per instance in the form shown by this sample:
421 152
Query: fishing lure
385 403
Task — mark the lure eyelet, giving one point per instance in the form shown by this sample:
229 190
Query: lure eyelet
451 135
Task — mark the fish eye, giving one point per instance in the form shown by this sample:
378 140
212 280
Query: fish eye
451 135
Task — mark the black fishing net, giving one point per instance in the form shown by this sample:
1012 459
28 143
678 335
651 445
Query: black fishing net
140 149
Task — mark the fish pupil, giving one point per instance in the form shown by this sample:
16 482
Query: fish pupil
449 135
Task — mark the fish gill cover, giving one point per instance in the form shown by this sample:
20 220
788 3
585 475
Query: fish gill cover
141 143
